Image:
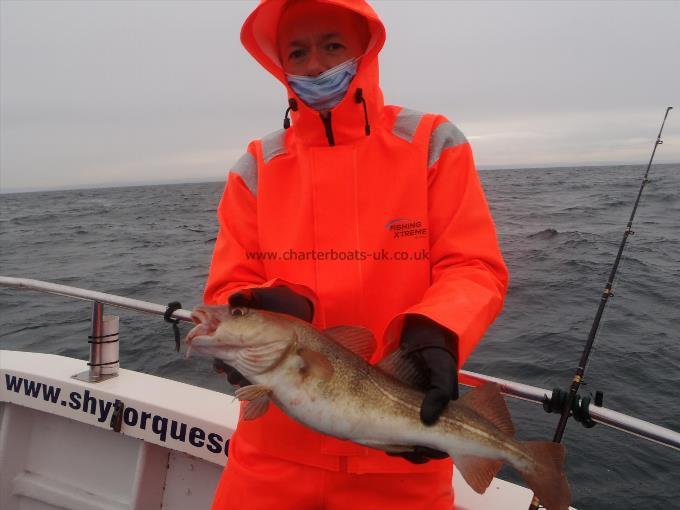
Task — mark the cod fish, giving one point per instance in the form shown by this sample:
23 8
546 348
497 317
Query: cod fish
321 379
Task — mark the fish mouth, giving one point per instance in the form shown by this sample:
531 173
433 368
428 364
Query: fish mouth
206 325
208 320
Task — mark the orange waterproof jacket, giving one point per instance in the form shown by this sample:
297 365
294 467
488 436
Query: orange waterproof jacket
369 223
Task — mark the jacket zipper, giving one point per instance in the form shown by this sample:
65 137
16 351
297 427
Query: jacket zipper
329 129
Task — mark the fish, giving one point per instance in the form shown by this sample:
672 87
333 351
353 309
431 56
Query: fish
322 379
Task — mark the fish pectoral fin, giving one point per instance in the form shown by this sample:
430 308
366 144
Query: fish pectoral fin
256 408
357 339
252 392
257 397
477 472
315 364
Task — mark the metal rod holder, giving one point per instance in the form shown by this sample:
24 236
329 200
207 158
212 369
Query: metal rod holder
103 361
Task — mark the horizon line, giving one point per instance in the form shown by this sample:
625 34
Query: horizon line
199 180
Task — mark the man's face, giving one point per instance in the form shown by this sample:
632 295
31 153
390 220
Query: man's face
314 37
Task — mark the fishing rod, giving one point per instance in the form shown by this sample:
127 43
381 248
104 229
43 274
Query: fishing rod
567 404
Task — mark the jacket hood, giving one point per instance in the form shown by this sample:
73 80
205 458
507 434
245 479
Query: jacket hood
258 36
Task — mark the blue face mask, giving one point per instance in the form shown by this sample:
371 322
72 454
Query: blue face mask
326 90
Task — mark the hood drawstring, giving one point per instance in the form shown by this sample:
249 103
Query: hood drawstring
359 98
292 105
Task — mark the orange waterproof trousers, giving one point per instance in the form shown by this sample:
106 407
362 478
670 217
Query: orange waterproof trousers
256 481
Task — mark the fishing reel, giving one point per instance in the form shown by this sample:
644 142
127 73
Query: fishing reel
580 406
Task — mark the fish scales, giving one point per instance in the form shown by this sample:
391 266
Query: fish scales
358 382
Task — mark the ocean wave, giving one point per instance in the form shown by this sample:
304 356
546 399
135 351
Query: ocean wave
548 233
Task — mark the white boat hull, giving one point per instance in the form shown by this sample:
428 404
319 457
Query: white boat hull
57 449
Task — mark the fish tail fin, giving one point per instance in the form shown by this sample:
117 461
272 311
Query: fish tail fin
545 474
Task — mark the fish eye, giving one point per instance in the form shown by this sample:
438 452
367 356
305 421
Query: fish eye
239 311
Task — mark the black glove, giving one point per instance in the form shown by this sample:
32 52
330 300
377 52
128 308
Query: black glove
434 350
274 299
234 377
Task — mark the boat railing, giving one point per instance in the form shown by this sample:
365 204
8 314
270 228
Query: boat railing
102 364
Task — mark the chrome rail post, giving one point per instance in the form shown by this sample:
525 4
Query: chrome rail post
97 339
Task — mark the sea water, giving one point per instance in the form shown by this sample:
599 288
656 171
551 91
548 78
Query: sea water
559 230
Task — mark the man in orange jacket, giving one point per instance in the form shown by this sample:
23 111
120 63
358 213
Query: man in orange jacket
355 213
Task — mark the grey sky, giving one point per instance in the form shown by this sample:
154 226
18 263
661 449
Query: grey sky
120 92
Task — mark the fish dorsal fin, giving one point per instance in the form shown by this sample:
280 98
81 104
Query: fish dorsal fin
357 339
401 367
487 401
257 398
478 472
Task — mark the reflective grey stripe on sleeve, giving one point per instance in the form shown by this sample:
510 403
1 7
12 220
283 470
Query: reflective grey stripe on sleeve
246 167
406 124
273 144
444 136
